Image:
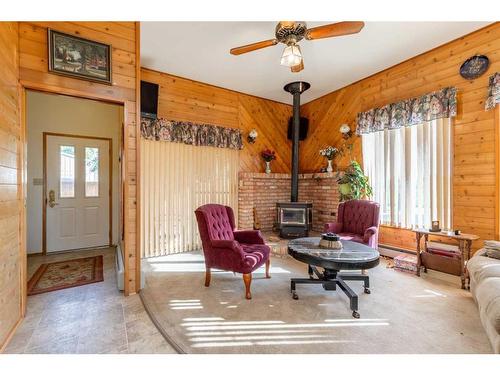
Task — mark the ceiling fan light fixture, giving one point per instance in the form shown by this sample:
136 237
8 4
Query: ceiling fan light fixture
291 56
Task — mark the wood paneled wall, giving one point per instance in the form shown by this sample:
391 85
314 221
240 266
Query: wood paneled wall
474 130
123 37
186 100
12 260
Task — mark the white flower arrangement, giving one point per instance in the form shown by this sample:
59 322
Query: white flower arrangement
330 152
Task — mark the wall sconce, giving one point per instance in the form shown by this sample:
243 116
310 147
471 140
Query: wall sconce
252 136
346 131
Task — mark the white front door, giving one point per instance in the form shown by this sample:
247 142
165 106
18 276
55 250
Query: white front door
77 192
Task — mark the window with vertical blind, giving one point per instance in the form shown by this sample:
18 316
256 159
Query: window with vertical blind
176 179
410 170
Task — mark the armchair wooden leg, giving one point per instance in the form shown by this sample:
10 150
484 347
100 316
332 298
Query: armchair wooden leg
247 279
208 277
268 265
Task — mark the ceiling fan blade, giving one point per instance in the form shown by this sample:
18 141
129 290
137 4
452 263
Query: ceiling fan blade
334 29
297 68
253 46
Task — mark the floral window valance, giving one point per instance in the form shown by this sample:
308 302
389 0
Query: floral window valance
493 92
191 134
435 105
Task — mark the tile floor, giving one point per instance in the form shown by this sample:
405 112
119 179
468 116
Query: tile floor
94 318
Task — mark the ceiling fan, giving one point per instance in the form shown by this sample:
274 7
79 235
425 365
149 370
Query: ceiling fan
291 33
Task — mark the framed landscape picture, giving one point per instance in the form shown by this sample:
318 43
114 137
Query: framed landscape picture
79 58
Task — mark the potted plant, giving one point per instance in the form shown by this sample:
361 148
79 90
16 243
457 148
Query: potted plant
268 156
353 184
329 153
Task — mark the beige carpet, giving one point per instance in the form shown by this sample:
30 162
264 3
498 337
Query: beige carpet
403 314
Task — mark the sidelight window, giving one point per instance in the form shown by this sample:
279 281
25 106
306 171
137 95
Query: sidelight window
67 172
91 172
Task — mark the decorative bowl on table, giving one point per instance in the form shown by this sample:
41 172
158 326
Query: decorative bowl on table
330 241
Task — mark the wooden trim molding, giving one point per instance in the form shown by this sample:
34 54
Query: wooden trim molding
44 198
497 172
22 182
11 334
138 156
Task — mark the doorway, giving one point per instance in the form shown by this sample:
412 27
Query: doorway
74 152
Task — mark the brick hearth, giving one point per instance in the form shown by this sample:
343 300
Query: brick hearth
262 191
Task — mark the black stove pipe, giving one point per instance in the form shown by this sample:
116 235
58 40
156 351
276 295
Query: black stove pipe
296 88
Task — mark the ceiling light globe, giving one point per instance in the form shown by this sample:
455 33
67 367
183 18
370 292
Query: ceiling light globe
291 56
344 129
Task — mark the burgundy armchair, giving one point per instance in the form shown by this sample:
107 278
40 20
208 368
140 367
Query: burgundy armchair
228 249
357 220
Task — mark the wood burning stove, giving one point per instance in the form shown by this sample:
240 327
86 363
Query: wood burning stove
294 219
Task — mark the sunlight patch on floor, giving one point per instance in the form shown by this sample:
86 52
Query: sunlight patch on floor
356 321
192 267
217 332
238 326
188 304
246 337
243 322
261 343
202 319
430 294
250 332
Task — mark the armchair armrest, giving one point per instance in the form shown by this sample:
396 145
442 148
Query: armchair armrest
227 244
249 236
333 227
369 232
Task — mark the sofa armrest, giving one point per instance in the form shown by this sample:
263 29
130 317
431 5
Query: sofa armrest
333 227
249 236
369 233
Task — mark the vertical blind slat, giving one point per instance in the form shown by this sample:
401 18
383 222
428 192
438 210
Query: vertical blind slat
176 179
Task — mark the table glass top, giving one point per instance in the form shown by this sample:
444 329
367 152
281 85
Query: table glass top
351 251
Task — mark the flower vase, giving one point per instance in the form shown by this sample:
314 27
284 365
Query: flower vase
329 169
268 167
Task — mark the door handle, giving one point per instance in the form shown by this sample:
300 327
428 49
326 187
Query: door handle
52 199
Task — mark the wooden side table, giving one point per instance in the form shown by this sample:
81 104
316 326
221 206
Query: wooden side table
425 260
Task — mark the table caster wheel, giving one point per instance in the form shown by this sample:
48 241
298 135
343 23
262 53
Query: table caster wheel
367 291
355 314
294 295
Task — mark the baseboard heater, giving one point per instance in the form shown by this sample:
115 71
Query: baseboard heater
120 269
393 251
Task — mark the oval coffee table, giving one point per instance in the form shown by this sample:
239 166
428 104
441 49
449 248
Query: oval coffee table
353 256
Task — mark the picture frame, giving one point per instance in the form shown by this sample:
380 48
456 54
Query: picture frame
435 226
80 58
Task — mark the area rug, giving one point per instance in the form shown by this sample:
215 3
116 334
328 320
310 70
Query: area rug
66 274
403 314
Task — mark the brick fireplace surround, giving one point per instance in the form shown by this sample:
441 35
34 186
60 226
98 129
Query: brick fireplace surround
263 191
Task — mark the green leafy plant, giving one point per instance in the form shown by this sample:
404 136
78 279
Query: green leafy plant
353 184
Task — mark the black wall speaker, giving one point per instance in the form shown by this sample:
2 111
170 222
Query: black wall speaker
303 129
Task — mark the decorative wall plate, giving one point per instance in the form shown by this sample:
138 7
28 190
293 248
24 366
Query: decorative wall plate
474 67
